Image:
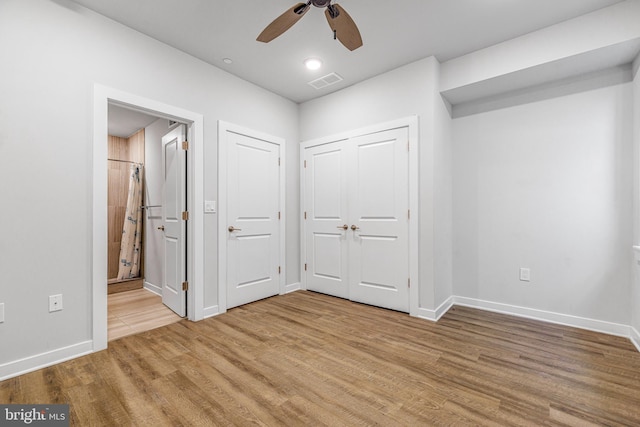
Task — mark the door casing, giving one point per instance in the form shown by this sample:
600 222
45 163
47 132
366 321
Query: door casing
412 124
102 97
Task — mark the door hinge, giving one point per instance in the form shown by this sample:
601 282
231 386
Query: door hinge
278 161
185 286
279 270
408 149
185 216
305 266
305 215
185 145
409 282
279 217
305 163
409 213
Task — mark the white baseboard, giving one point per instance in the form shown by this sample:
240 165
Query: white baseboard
547 316
43 360
292 287
435 315
635 337
214 310
153 288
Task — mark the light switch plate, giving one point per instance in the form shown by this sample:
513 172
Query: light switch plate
210 206
525 274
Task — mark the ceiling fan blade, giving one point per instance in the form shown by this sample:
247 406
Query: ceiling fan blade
283 22
345 29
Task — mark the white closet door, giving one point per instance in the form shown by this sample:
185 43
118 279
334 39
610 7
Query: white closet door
325 205
378 208
253 247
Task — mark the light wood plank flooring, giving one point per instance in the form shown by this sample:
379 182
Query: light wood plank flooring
136 311
306 359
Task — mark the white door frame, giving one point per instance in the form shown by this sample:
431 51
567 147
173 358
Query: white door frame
102 97
223 128
412 124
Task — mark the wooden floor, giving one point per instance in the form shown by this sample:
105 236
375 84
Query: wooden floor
308 359
136 311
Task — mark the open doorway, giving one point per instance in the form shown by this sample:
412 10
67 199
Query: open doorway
104 96
135 229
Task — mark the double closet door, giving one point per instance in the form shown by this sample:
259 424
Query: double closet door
356 218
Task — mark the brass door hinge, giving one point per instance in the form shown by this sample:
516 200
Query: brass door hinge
185 286
305 266
409 282
185 145
279 270
278 215
305 215
305 163
185 216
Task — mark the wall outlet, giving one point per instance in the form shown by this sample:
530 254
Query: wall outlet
55 303
525 275
1 312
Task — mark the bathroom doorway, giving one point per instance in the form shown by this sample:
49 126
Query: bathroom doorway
134 201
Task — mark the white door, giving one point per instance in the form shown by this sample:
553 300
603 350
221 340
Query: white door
173 205
379 212
253 225
361 183
327 229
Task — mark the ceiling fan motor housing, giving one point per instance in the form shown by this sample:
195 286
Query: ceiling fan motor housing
320 3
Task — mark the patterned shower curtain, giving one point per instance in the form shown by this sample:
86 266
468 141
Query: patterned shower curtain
132 230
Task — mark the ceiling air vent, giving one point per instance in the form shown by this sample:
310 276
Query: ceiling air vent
325 81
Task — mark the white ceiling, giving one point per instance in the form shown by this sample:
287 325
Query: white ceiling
394 32
124 122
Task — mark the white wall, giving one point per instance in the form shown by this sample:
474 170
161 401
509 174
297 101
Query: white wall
635 295
153 263
406 91
548 186
54 52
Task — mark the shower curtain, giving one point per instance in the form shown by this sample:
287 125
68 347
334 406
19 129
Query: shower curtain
130 248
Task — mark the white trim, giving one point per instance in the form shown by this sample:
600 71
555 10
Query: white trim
435 315
411 123
153 288
214 310
43 360
223 128
547 316
102 96
634 336
292 287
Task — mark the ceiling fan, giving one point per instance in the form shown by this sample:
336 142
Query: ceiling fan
344 29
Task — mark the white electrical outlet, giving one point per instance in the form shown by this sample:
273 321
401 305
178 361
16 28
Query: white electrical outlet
55 303
1 312
525 274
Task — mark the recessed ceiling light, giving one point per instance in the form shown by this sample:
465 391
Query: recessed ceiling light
227 61
313 63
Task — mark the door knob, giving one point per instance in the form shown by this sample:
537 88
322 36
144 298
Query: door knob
354 228
232 229
344 227
161 228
